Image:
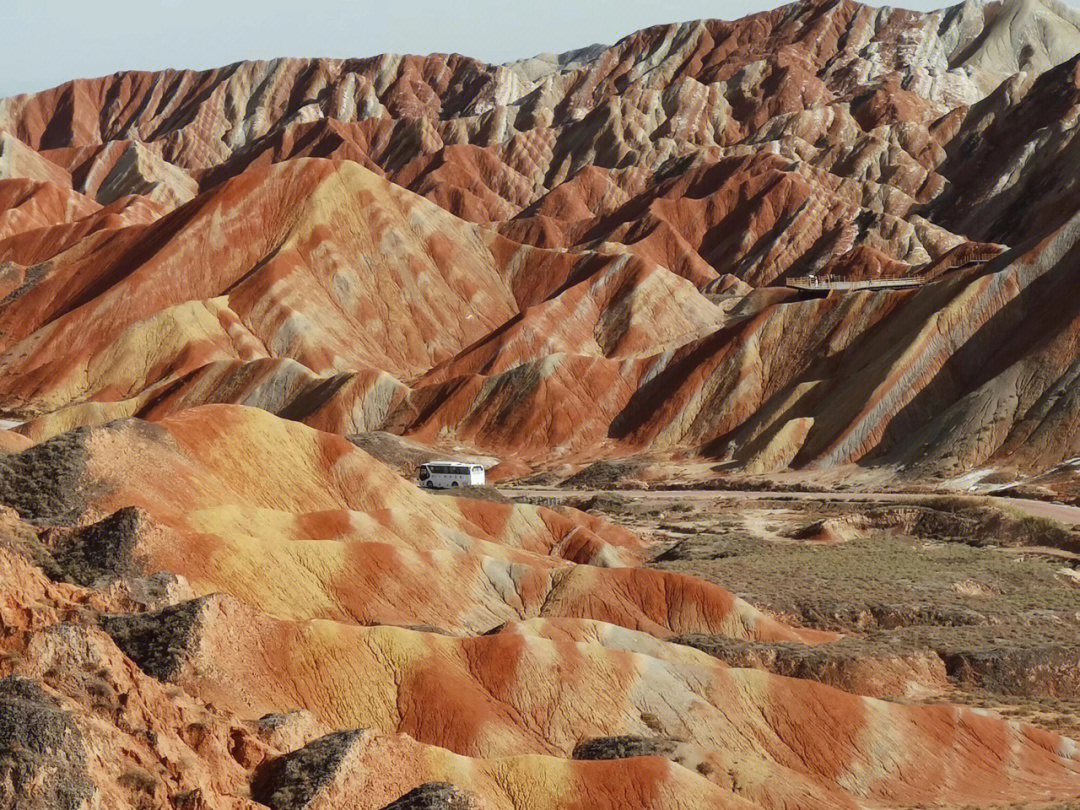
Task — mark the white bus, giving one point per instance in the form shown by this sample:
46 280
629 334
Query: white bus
447 474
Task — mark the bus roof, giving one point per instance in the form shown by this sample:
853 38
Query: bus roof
464 464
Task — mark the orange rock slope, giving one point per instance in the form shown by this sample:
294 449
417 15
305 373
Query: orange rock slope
389 638
598 266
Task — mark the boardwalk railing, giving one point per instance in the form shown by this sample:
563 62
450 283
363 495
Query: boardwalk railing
814 283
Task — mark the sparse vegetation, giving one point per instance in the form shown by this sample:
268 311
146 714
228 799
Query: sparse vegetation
1030 530
606 502
476 493
138 780
945 577
44 483
101 692
626 746
292 781
605 475
42 759
857 581
101 552
981 521
434 796
158 641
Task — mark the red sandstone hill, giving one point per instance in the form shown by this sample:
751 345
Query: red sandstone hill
210 598
598 266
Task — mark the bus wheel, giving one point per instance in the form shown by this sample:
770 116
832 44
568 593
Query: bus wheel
454 484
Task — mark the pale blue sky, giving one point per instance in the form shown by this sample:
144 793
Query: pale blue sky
47 42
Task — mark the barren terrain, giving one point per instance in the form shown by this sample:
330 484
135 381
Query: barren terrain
767 332
939 598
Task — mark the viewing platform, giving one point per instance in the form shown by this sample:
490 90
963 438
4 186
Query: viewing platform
815 284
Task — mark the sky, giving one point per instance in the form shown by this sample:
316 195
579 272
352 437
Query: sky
48 42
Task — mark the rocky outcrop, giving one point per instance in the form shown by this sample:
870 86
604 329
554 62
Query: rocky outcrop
138 171
1048 670
292 782
42 757
43 482
18 161
434 796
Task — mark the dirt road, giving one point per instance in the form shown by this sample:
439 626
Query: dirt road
1069 515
